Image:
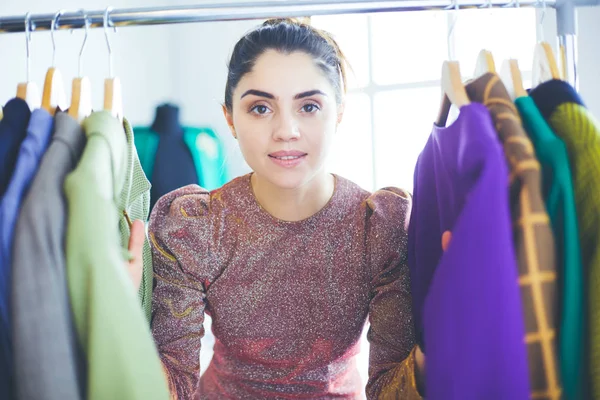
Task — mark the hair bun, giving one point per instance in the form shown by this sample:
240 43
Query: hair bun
289 20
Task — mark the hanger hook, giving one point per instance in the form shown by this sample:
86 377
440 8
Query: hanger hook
455 7
86 21
53 26
541 32
29 26
107 24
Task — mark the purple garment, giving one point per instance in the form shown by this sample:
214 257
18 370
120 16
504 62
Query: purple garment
30 153
466 301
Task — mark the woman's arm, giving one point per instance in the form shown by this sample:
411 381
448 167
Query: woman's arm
393 357
178 233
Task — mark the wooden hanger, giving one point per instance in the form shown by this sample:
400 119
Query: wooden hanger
29 91
81 99
485 63
545 67
453 91
510 74
113 98
53 95
113 95
563 61
81 93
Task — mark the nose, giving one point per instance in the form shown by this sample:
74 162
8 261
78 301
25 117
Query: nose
286 128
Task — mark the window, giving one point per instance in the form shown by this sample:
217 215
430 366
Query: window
394 89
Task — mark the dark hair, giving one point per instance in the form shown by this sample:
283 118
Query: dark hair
286 35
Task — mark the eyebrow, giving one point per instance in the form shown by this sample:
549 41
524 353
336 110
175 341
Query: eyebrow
302 95
258 93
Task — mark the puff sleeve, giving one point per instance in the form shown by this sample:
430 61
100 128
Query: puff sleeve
179 232
391 334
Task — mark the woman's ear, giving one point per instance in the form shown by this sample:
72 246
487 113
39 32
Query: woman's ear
340 112
229 118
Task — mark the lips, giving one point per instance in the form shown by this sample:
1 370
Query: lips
287 159
287 154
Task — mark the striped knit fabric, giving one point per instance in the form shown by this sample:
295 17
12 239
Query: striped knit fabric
581 134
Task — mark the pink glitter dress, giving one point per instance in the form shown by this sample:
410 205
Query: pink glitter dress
288 299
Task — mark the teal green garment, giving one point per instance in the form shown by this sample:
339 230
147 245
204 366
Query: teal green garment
205 147
135 200
121 358
557 189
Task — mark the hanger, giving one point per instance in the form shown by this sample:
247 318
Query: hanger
53 95
28 90
81 93
511 76
113 98
545 67
485 63
485 60
453 90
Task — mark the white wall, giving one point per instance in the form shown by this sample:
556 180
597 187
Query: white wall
201 57
589 57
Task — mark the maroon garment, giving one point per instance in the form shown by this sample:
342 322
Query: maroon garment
288 299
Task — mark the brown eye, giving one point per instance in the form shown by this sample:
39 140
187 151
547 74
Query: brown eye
259 109
310 108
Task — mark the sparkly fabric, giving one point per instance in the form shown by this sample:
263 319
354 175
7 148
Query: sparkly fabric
288 299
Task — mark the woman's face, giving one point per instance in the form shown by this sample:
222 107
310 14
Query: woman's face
284 115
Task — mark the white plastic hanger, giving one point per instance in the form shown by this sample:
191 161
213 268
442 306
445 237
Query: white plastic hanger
113 96
28 90
54 95
81 93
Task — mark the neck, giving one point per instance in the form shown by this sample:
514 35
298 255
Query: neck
167 120
294 204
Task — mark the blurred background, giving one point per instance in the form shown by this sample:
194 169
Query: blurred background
393 94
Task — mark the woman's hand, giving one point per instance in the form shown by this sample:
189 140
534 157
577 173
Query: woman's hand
135 267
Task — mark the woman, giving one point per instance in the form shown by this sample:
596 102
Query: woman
289 260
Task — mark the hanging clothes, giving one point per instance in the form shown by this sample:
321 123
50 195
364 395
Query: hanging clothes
134 204
174 156
534 242
122 361
173 164
46 369
466 300
13 129
563 109
30 152
558 193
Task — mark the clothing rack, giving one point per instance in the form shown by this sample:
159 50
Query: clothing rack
245 10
